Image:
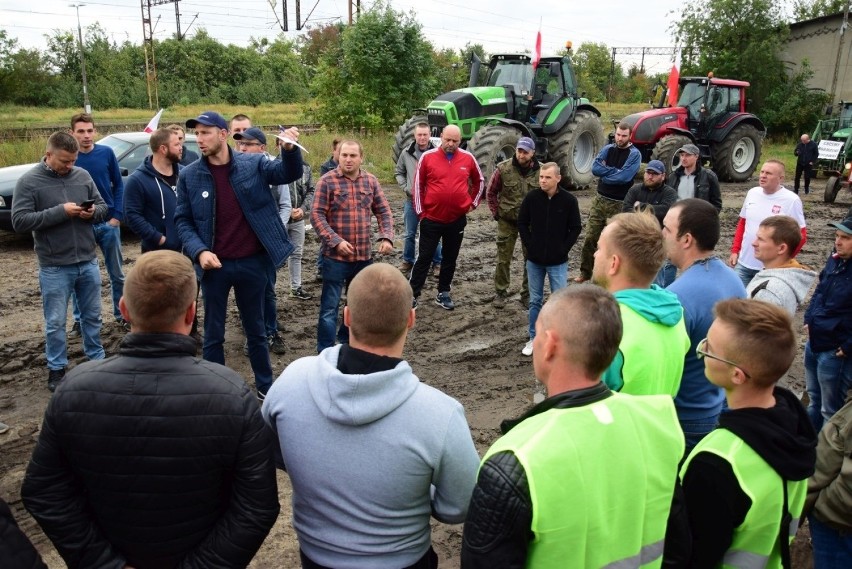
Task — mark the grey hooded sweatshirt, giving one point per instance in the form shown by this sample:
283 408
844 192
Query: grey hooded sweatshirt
371 458
785 286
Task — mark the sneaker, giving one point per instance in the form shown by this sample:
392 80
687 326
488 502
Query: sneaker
436 271
123 323
300 294
528 348
807 191
406 267
261 397
75 331
276 344
499 300
3 428
414 304
444 301
54 378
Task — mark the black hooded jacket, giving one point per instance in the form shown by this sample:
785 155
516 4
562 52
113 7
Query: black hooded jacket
716 505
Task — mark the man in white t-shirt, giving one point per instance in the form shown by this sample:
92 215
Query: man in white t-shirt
769 198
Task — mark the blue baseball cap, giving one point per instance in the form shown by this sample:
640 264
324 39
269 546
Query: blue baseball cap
208 118
656 166
526 143
252 133
845 226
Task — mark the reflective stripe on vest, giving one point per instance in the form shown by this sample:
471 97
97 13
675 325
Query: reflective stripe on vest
755 542
593 507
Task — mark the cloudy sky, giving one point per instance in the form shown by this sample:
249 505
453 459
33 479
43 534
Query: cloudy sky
496 24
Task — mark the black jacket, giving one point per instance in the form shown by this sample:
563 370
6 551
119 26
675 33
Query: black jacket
806 153
549 227
659 199
706 185
16 551
716 505
154 458
497 529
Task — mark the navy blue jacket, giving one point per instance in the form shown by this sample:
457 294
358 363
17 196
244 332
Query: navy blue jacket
251 175
829 315
149 207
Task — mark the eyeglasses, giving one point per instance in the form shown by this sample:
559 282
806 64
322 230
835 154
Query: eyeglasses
701 352
244 143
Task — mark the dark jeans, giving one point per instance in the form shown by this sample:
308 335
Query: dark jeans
428 561
431 233
249 278
335 276
808 171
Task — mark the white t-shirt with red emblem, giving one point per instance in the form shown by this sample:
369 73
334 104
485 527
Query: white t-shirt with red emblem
759 205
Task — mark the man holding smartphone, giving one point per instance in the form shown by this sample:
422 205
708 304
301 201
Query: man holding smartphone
59 203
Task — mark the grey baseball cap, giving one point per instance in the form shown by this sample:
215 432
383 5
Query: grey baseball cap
689 149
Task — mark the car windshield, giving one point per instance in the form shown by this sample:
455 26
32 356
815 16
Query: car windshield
118 145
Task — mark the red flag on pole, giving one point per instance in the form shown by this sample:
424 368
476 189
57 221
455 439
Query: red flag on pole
154 122
537 55
674 77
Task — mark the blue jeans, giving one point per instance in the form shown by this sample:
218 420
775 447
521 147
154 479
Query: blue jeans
745 273
270 310
335 275
558 277
828 378
411 225
696 429
249 278
57 284
666 275
832 548
108 239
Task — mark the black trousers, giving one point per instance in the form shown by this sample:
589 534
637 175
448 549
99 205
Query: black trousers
808 170
431 233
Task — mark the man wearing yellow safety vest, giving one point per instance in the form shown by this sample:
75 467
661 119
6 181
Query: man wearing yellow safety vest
745 483
586 478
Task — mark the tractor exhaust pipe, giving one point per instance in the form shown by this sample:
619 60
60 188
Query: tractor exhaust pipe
474 70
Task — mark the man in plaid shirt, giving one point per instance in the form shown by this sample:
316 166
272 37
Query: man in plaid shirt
345 200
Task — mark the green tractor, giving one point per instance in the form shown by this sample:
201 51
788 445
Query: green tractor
834 137
518 100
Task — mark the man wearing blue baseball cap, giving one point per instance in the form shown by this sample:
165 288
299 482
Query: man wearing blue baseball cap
652 193
510 183
229 225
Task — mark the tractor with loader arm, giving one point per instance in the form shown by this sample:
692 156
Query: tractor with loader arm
834 139
710 113
515 100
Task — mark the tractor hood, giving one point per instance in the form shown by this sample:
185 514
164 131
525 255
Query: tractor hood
472 102
842 134
647 124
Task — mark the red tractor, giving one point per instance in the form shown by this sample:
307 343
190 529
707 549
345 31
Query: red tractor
710 113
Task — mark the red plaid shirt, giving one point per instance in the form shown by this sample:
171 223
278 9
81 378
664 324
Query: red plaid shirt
342 210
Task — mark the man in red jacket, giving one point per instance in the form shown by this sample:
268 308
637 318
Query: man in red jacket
448 185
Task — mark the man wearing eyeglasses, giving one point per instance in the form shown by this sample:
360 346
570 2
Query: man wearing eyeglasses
745 483
652 193
253 141
691 232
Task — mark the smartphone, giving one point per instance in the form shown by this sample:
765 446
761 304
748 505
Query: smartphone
87 204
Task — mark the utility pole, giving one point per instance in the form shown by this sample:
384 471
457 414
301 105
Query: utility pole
357 5
86 105
843 27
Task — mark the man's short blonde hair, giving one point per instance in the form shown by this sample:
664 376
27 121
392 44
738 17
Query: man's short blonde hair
379 301
158 290
638 239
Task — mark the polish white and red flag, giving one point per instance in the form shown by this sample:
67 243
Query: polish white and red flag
537 55
674 77
154 122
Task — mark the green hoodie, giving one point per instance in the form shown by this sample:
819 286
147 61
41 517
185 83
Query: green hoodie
651 354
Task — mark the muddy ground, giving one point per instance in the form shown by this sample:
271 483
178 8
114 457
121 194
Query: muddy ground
473 353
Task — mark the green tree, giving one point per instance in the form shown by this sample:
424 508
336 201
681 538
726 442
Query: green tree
809 9
737 39
24 75
793 108
593 67
383 69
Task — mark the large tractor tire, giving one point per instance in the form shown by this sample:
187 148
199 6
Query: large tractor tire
832 188
491 145
575 148
737 157
666 150
405 135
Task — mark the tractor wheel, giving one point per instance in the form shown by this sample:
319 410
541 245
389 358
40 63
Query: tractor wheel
405 135
575 148
666 150
491 145
736 157
832 187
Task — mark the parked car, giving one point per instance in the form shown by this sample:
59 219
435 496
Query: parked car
130 148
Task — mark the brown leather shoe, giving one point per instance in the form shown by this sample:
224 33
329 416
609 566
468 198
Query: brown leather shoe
436 271
406 267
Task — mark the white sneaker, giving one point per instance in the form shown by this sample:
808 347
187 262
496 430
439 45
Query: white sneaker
528 349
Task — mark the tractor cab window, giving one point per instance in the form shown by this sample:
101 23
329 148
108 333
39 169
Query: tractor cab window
692 97
568 77
515 73
734 99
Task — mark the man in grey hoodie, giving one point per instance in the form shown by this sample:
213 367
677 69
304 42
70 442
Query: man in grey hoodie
783 281
372 452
